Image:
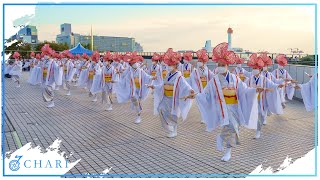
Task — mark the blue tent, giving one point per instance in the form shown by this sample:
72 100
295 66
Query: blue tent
79 49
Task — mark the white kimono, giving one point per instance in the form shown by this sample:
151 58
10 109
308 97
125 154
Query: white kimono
31 79
164 70
271 77
78 65
108 71
70 71
118 67
289 88
267 101
172 106
8 69
155 70
49 80
126 89
195 78
16 70
58 75
308 93
215 71
214 109
97 79
83 77
216 112
124 65
91 74
239 70
52 68
185 69
38 71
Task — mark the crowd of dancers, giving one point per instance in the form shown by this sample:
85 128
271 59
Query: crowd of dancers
226 98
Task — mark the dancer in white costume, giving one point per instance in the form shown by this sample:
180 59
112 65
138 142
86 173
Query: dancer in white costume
132 84
268 62
186 67
201 74
69 70
108 80
124 64
239 70
58 75
144 67
83 72
155 70
171 96
163 67
227 102
77 65
49 69
16 69
94 82
32 64
269 99
39 69
308 92
117 63
281 73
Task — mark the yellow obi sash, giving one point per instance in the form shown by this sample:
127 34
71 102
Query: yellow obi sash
84 67
242 76
153 73
136 82
203 81
164 73
186 73
168 90
91 75
107 77
259 96
45 72
65 69
230 96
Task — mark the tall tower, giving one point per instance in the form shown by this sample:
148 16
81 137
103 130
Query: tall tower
230 31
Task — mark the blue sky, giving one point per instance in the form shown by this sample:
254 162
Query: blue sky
270 28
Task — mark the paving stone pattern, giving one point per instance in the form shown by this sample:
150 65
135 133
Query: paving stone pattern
105 139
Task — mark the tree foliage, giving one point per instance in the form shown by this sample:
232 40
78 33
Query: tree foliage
24 49
55 46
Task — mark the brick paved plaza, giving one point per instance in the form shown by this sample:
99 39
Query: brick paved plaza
105 139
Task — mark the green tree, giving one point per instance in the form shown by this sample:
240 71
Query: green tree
87 46
55 46
307 60
24 49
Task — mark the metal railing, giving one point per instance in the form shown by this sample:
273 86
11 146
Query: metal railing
148 55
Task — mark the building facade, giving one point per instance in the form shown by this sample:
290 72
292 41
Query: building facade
65 29
28 34
108 43
100 43
65 36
